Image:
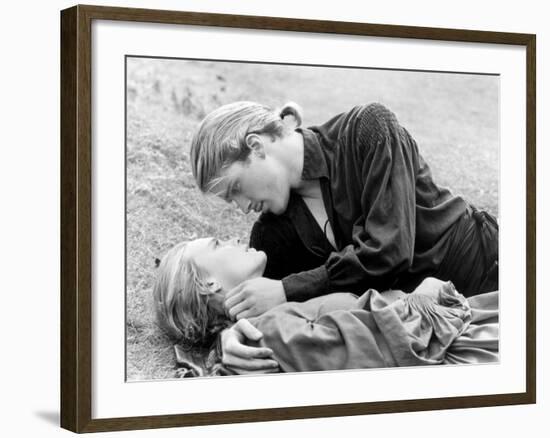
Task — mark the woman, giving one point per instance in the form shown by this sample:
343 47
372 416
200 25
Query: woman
432 325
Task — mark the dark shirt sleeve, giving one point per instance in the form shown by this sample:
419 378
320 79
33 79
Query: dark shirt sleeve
380 159
287 254
277 238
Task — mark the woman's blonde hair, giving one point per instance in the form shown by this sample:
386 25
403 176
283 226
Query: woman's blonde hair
181 301
220 139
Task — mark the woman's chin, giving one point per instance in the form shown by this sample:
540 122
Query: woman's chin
263 256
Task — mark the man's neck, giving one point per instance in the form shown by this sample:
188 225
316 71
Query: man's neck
310 189
304 188
294 158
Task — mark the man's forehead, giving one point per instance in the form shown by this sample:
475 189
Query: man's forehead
233 170
225 179
220 185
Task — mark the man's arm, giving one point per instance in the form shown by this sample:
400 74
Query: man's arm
385 160
277 236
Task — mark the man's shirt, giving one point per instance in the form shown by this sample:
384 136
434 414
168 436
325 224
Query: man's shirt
392 224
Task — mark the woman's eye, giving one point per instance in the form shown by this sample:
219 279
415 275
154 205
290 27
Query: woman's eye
235 189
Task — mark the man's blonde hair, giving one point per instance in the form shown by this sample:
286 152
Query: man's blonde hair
220 139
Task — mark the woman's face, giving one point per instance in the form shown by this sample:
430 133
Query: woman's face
229 262
258 184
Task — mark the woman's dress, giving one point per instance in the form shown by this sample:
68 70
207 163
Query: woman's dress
433 325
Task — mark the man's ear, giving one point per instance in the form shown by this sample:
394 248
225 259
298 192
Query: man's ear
256 144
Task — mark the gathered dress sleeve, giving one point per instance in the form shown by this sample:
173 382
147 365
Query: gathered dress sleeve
305 339
374 332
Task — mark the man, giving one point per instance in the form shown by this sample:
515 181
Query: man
346 206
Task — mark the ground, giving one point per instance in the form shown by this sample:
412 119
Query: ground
453 117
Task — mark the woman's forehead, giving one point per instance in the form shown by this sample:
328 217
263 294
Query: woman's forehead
199 246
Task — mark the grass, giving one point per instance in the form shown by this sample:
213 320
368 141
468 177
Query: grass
454 119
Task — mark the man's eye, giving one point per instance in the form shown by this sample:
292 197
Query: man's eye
217 243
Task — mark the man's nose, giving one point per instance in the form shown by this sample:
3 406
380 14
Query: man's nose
243 204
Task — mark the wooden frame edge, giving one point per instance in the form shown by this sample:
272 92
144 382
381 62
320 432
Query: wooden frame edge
76 222
75 347
531 218
68 346
301 413
302 25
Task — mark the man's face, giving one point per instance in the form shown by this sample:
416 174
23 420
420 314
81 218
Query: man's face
260 183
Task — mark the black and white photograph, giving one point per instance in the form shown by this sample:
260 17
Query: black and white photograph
288 218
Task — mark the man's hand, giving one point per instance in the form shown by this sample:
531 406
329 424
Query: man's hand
242 358
254 297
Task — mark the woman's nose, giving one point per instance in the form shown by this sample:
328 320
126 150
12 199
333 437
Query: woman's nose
243 204
235 242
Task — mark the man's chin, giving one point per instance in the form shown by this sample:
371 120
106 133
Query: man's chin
279 209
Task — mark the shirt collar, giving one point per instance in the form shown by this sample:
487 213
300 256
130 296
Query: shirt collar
315 165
